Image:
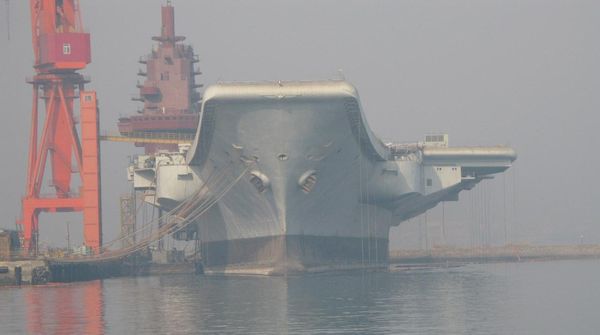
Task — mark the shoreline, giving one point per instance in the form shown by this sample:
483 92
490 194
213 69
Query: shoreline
40 271
509 253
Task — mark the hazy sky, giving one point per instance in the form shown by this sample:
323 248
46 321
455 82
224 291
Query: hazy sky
519 72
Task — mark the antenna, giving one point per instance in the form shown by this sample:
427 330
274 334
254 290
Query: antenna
7 2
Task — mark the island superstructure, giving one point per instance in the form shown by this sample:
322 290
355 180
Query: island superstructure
320 191
169 93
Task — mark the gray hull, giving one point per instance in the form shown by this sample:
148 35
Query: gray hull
288 254
322 191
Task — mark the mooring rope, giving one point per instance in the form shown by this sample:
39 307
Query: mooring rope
184 214
149 225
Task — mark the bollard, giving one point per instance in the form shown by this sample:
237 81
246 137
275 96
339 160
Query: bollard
18 275
199 267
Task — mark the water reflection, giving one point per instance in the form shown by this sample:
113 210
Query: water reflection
478 299
366 303
65 309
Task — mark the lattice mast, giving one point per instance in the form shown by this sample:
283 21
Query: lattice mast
61 48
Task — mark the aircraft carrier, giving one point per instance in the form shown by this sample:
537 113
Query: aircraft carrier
319 190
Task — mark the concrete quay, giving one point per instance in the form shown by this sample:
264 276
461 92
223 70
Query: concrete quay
24 272
509 253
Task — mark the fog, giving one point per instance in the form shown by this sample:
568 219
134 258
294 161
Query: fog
522 73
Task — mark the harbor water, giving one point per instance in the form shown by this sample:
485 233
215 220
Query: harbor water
561 297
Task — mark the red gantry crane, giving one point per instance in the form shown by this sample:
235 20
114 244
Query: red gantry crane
61 49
